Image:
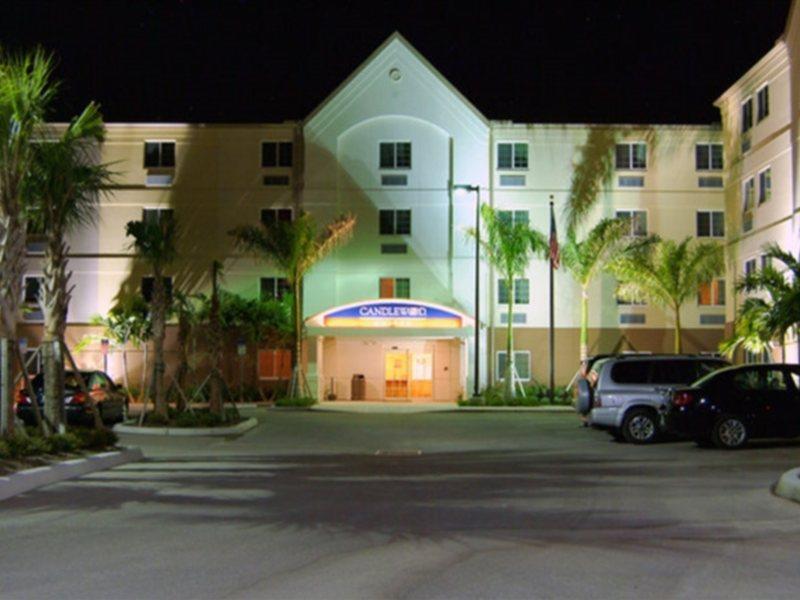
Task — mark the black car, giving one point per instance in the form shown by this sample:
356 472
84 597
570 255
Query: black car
109 398
730 406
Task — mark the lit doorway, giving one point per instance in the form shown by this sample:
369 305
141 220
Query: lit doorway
409 375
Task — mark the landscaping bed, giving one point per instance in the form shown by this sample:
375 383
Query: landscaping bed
199 417
536 394
25 451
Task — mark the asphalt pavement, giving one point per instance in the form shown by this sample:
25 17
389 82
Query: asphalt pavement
438 505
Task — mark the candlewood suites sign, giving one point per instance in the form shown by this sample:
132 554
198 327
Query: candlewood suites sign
391 313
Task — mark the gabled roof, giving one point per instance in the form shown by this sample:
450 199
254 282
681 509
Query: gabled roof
396 38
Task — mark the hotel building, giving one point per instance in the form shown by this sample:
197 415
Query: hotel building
394 145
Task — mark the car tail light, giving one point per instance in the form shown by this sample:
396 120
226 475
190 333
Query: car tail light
682 398
22 398
597 401
78 398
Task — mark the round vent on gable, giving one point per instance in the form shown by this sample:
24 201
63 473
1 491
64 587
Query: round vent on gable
395 74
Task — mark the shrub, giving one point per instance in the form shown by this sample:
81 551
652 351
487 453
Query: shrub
62 443
5 451
536 394
295 402
96 439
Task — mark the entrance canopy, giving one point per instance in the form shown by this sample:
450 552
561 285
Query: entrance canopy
393 316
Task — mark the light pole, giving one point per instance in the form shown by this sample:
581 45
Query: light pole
477 190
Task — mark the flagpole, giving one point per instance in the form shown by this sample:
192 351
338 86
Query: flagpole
552 304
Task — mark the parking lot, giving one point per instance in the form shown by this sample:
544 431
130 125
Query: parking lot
324 505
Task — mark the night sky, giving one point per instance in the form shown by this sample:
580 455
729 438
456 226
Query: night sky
645 61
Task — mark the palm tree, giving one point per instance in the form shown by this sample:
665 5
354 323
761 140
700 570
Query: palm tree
666 273
294 248
187 310
773 314
63 190
154 242
26 91
509 248
585 259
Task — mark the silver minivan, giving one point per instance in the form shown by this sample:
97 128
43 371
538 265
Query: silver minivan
623 394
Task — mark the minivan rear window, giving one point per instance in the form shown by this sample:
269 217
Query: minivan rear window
674 371
634 371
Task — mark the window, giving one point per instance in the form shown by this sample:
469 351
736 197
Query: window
673 371
710 223
273 288
395 222
33 361
747 380
522 291
270 216
159 155
153 216
512 156
395 155
623 302
762 101
747 115
766 261
749 266
712 293
514 217
708 157
749 194
276 154
631 156
31 286
394 287
635 371
637 220
522 365
274 364
764 185
148 287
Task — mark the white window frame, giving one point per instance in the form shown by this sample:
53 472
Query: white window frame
513 212
741 115
275 208
513 144
754 259
161 141
499 375
711 168
630 144
633 210
395 167
159 209
501 281
277 153
713 304
25 277
711 235
277 279
756 116
759 192
745 183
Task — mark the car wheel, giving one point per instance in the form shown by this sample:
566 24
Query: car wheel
584 403
640 426
729 433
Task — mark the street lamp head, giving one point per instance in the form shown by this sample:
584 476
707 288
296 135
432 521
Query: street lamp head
463 188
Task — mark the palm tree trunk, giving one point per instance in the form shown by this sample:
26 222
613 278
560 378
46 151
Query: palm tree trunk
215 385
297 384
678 343
159 332
510 373
584 341
54 302
12 260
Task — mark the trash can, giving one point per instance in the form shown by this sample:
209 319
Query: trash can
358 387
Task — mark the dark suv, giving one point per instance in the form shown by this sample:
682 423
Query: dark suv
623 394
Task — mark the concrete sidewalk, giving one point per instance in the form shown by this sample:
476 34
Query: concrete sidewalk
368 407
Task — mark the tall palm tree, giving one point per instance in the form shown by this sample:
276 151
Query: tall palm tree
776 311
509 248
294 248
666 273
63 191
155 243
26 90
586 258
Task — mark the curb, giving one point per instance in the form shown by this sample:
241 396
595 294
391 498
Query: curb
407 409
789 485
245 425
541 409
30 479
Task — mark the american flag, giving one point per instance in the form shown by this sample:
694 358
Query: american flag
555 254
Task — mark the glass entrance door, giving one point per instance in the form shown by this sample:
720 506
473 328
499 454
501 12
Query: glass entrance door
422 375
397 374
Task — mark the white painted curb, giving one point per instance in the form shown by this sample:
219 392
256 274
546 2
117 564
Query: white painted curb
29 479
245 425
789 485
558 408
